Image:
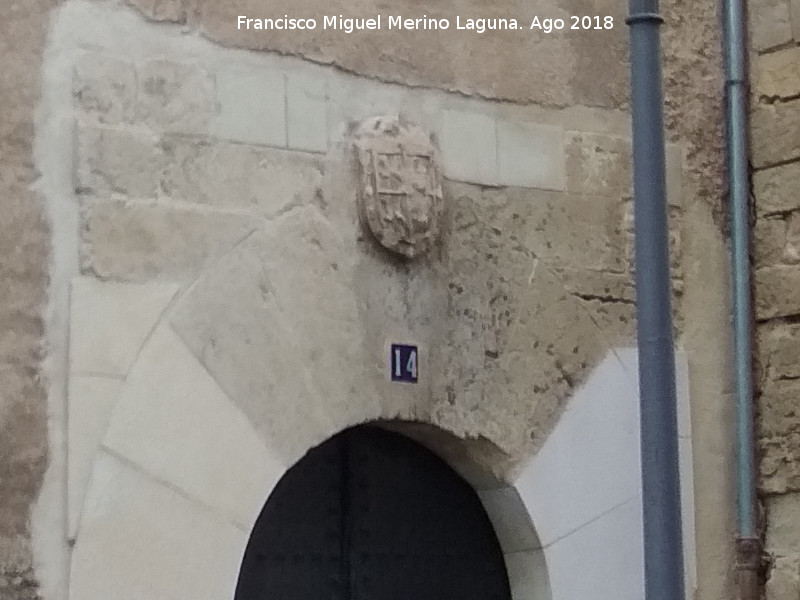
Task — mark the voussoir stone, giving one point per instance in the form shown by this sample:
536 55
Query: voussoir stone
778 73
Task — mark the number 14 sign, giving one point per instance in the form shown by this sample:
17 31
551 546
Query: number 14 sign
403 363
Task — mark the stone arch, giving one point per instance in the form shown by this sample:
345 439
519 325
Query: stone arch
177 464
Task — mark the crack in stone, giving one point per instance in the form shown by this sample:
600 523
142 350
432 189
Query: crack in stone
602 299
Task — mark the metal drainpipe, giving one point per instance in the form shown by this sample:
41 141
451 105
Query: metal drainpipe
748 543
661 505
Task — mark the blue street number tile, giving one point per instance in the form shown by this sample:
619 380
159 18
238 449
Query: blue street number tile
403 360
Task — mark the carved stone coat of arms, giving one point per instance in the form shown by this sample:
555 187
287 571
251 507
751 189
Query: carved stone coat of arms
400 185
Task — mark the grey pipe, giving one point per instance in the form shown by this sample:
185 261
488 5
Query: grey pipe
661 503
748 543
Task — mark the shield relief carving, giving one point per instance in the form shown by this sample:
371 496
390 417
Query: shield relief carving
400 185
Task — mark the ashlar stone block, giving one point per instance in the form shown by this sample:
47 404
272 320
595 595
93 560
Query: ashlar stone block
778 73
238 176
784 579
307 112
777 189
777 291
174 97
795 10
115 161
770 23
469 147
530 155
138 241
769 241
783 523
780 349
775 132
598 164
252 106
105 88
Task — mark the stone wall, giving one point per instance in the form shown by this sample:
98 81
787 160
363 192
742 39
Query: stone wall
775 132
177 178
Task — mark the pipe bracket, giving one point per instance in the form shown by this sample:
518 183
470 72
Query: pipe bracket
644 17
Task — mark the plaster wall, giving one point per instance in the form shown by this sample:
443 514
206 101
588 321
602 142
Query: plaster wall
133 117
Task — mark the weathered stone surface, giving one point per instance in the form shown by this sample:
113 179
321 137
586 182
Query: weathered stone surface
174 97
775 133
795 10
400 185
776 188
105 88
769 241
791 253
237 176
777 74
512 317
118 161
290 352
777 291
445 59
780 351
770 23
779 436
598 164
783 524
136 242
784 579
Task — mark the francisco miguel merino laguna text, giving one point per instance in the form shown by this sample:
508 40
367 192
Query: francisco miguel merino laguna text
352 24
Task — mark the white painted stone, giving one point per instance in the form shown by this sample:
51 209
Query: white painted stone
510 519
307 112
527 575
530 155
110 321
252 106
91 400
469 147
141 540
601 560
599 432
174 422
590 462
